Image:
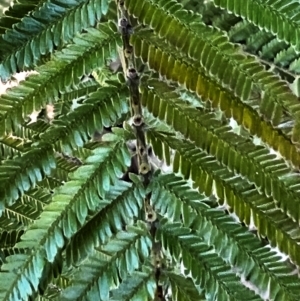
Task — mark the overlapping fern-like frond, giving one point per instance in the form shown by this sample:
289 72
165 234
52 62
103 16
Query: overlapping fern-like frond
123 253
202 93
67 211
179 70
49 25
181 203
279 17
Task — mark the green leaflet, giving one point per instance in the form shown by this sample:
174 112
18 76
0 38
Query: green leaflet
19 177
140 286
184 288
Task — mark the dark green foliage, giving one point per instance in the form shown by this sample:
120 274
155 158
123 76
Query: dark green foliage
218 92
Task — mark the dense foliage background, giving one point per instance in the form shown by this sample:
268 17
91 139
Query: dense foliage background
214 89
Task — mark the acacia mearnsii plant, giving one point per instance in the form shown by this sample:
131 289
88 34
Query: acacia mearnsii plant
151 152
